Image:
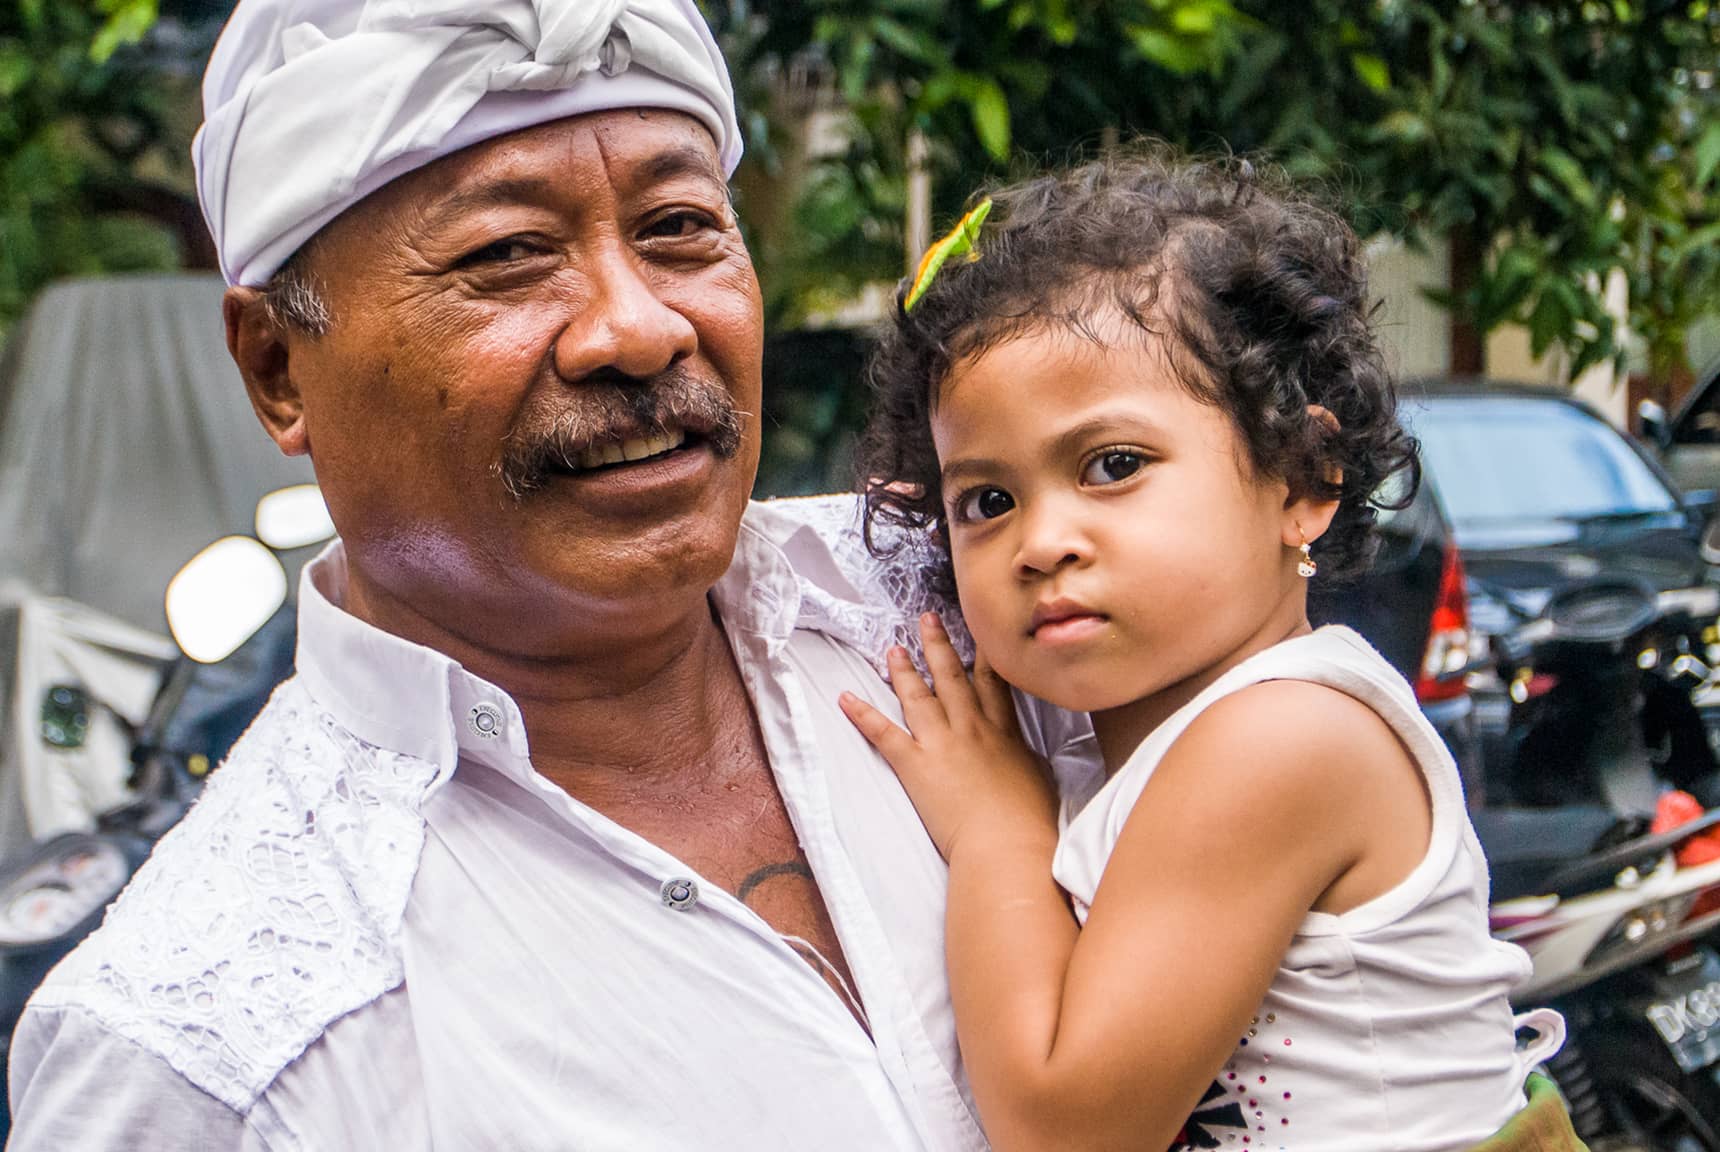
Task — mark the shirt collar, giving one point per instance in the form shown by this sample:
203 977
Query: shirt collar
406 698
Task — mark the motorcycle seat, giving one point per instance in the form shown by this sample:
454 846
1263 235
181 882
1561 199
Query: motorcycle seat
1525 847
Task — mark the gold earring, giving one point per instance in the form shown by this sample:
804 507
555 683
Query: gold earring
1306 567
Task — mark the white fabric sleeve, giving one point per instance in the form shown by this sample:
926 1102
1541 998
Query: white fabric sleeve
870 602
75 1084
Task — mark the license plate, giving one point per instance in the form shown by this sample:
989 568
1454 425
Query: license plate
1685 1012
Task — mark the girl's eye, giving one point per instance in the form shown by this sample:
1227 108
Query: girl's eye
1111 467
984 504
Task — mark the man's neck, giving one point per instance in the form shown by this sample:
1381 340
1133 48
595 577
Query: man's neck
646 706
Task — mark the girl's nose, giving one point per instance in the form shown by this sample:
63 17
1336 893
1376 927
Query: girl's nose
1050 539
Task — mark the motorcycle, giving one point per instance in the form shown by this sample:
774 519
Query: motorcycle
1616 900
1623 945
1602 685
228 614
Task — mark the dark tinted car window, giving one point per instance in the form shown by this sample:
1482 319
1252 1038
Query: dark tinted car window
1517 470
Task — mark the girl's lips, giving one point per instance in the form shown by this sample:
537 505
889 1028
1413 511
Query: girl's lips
1069 629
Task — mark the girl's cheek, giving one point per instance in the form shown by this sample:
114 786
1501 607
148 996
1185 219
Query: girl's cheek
984 592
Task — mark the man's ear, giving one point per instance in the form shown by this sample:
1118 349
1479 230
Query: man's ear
258 344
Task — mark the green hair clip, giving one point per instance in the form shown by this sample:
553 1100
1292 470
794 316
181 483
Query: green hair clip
959 241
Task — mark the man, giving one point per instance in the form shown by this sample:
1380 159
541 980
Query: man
557 839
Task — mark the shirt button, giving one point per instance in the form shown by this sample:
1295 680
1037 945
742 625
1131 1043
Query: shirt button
680 893
485 721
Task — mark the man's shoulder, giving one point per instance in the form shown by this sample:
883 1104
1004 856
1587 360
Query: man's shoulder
272 910
866 592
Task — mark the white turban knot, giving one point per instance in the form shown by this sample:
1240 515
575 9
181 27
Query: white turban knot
311 105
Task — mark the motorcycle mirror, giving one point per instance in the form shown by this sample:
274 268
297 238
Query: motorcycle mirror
293 517
1710 542
220 599
1652 419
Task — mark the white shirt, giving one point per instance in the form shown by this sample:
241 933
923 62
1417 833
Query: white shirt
381 928
1388 1026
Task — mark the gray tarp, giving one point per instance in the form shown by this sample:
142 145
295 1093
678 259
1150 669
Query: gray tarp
126 445
126 442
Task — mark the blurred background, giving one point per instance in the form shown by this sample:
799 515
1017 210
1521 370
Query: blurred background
1541 181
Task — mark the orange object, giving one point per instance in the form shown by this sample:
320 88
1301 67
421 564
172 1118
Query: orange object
1676 809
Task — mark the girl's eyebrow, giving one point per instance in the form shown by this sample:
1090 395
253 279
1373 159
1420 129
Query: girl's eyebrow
1075 437
1068 442
968 465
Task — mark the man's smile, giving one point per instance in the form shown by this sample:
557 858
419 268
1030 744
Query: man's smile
629 451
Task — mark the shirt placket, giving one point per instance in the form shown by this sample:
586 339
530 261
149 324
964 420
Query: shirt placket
907 1053
491 733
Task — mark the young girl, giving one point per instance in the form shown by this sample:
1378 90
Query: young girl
1142 404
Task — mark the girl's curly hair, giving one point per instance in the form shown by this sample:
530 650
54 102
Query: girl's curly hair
1259 293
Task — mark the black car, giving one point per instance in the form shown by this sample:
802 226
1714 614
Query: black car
1412 605
1688 442
1541 493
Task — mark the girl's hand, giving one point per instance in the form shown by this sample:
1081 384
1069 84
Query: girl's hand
962 759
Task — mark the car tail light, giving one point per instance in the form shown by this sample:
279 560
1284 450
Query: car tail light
1447 636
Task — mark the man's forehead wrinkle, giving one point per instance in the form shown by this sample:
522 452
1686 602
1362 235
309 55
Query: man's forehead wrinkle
694 152
681 160
497 192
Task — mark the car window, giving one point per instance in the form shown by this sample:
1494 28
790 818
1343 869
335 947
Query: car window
1519 470
1701 424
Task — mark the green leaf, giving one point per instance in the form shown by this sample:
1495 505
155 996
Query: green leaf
127 22
1194 19
1372 71
1591 352
1708 154
16 68
1549 322
940 89
1441 74
1564 168
857 67
913 43
1169 52
1703 240
1403 125
1250 73
990 110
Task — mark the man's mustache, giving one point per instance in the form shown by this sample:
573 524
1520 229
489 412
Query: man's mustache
553 433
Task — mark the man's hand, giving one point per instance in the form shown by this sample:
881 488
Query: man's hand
961 759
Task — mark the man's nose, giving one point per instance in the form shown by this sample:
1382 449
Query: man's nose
1051 538
623 324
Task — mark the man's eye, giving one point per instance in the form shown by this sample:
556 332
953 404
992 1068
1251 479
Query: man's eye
678 225
984 504
501 252
1110 467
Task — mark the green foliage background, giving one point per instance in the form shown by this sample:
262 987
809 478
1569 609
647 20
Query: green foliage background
1567 138
72 118
1548 141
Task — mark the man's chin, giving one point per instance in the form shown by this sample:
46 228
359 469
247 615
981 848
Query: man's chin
658 550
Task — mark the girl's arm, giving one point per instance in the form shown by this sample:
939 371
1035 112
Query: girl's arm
1108 1037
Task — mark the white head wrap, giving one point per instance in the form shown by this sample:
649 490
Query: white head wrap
311 105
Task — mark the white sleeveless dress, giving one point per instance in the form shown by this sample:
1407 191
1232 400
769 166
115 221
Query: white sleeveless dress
1386 1028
